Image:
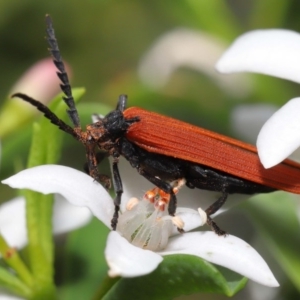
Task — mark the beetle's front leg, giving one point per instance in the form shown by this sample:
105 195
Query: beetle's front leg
118 187
92 167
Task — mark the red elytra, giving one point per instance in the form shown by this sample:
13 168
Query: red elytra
164 135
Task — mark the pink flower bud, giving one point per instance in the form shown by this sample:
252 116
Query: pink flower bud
40 81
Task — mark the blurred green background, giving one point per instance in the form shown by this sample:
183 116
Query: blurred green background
104 41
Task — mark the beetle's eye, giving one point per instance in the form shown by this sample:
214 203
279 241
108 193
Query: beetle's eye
97 124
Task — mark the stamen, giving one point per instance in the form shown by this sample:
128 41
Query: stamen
131 203
150 195
178 222
160 198
203 215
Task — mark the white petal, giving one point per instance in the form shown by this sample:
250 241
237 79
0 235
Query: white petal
247 120
67 217
274 52
230 252
190 218
127 260
6 296
280 135
186 48
13 222
77 187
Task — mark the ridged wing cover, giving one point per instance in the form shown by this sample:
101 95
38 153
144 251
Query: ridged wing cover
164 135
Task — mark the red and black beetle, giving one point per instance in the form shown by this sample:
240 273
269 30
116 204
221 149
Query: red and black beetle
163 150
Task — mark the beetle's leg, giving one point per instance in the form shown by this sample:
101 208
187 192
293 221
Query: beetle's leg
172 208
92 167
214 208
214 227
217 205
118 190
99 158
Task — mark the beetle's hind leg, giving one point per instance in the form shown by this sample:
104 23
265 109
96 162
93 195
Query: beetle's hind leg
211 210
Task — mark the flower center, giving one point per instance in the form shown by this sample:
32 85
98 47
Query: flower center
146 223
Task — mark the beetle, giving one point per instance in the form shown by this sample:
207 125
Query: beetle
163 150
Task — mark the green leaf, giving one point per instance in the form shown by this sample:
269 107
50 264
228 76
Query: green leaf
212 16
13 284
45 149
11 257
267 15
176 275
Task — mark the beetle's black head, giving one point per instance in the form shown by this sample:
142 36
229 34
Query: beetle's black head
110 128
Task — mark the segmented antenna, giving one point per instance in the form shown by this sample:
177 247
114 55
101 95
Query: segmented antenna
48 114
62 74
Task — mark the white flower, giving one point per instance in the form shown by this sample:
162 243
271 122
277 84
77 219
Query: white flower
127 260
66 217
273 52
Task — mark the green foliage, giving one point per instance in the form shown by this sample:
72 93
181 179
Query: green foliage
277 220
176 275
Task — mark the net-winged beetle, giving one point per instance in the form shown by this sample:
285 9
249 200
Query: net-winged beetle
164 150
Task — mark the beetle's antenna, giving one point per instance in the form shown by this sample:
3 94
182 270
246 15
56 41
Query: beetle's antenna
48 114
122 102
62 74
